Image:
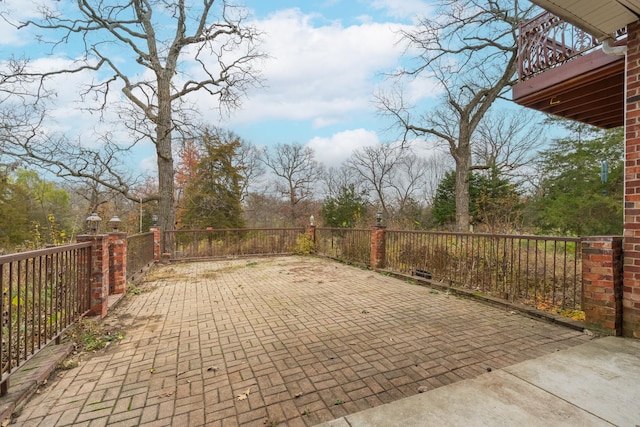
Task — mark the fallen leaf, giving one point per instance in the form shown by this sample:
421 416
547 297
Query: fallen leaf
423 388
297 395
180 373
245 395
152 370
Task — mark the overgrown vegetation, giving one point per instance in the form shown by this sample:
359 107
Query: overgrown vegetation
33 212
304 245
91 335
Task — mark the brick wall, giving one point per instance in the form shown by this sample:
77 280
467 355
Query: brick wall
631 287
117 263
156 242
311 233
108 269
602 284
378 247
99 273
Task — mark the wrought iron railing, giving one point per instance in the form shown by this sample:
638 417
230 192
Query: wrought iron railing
139 253
213 243
350 244
43 293
547 41
544 272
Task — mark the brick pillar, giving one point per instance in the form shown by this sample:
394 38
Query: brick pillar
602 284
311 233
156 243
631 286
99 273
378 246
117 263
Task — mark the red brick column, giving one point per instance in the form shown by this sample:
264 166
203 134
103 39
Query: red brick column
117 263
156 243
602 284
378 246
99 273
631 287
311 233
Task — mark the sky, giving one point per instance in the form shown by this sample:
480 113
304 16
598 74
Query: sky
327 59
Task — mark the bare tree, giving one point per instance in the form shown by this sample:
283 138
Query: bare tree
470 49
249 162
411 182
437 165
336 178
143 45
377 167
505 143
296 173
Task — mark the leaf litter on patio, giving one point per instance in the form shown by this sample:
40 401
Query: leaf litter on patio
245 395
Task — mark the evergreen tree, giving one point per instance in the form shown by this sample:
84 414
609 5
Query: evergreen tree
573 199
212 197
494 201
346 209
497 204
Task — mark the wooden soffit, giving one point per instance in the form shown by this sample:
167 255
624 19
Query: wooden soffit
588 89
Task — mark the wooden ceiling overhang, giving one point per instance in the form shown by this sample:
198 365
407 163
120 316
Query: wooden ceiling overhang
588 89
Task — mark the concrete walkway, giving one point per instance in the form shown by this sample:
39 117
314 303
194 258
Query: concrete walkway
595 384
284 341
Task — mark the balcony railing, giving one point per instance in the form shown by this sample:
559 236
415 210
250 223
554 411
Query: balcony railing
538 271
139 253
547 41
215 243
347 244
43 293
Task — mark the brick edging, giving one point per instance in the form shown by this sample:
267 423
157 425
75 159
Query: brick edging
28 378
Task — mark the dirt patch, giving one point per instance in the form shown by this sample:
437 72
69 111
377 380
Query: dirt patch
88 337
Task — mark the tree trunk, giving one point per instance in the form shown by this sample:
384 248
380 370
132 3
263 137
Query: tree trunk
463 168
166 214
292 205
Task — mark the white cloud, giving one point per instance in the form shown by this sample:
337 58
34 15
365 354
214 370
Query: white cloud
336 149
149 164
15 11
422 88
319 73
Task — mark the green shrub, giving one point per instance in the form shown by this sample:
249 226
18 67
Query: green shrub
304 245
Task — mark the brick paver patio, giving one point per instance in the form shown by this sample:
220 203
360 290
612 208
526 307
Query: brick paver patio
281 341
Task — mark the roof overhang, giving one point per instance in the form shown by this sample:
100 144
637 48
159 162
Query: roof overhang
588 89
600 18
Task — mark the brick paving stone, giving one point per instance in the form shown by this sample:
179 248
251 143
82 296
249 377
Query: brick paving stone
309 338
